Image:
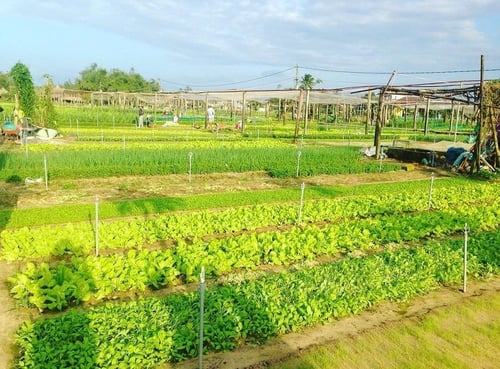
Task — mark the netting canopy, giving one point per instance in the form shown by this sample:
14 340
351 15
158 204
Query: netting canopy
315 96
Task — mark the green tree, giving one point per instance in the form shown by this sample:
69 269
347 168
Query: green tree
92 78
5 81
95 78
6 87
308 82
24 87
45 111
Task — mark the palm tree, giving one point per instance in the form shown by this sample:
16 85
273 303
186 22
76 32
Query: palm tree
308 82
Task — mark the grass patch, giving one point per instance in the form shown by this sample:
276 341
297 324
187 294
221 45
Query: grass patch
458 336
69 186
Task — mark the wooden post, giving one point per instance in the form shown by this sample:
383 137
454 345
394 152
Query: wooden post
426 116
495 137
368 111
306 111
380 115
206 114
243 113
155 107
477 147
297 118
454 115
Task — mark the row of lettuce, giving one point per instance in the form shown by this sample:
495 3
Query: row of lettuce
277 160
168 249
144 207
346 254
151 331
56 286
79 238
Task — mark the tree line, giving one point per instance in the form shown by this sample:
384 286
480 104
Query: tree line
17 86
95 78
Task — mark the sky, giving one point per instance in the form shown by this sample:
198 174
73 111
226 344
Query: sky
254 44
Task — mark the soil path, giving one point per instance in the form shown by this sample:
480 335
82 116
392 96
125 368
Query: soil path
134 187
11 317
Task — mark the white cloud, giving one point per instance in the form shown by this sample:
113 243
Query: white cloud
363 35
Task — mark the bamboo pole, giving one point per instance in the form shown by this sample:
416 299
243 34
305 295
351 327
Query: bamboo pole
477 148
243 113
297 117
368 112
426 116
306 111
206 113
454 115
378 126
495 137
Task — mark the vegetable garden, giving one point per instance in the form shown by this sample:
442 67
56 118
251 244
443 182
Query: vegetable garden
114 284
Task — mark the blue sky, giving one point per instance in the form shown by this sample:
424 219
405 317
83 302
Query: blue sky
221 44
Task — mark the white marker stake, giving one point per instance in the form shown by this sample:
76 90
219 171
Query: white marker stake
190 164
298 163
96 226
466 232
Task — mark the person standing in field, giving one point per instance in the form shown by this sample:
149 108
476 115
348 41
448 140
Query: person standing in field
211 115
140 123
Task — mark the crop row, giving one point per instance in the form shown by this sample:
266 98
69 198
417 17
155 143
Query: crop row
79 238
55 287
151 331
277 161
193 146
70 213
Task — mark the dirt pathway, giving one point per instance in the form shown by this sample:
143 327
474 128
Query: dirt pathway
125 188
11 317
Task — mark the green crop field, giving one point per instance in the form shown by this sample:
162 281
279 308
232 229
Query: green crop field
116 283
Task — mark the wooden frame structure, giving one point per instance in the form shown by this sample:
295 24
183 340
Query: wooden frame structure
468 93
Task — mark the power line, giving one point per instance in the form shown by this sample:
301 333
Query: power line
232 83
343 71
389 73
453 71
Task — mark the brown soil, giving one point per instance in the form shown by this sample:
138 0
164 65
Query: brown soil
125 188
82 191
